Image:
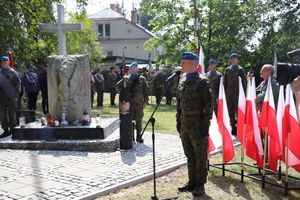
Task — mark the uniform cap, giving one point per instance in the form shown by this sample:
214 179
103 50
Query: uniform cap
4 58
188 56
133 64
234 55
212 62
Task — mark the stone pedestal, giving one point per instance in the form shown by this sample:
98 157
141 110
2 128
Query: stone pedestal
69 86
296 91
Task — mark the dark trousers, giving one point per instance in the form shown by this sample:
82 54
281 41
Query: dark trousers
19 103
8 115
112 96
92 98
45 106
32 98
100 98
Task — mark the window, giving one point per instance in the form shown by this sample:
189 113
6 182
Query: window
109 53
103 30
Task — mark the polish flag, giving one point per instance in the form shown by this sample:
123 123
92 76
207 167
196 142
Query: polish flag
241 112
224 125
11 60
215 137
267 122
279 118
254 148
291 130
201 68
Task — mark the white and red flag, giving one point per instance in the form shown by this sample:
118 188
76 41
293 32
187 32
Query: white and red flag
291 131
215 138
254 149
268 123
224 125
241 113
201 67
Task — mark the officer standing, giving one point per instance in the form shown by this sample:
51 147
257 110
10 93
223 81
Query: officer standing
194 112
99 86
138 88
44 88
9 92
231 87
214 78
112 81
21 93
158 86
32 87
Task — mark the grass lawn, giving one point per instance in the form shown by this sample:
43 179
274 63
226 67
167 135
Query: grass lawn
164 117
217 187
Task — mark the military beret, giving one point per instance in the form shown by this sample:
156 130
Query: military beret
234 55
212 62
30 65
133 64
188 56
4 58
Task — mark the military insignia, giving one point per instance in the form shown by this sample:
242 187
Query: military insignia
124 107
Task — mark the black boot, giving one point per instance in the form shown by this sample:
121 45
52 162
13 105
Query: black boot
188 187
139 138
199 191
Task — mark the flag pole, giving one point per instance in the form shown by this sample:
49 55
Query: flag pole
286 167
223 165
197 31
279 171
243 152
265 157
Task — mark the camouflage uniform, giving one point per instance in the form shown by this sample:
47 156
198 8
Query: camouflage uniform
261 91
99 86
10 85
158 86
231 87
139 89
112 81
214 78
193 116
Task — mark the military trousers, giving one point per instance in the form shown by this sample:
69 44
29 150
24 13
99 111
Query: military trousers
195 149
138 113
100 98
112 95
8 115
232 103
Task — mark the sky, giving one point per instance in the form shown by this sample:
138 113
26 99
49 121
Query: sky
95 6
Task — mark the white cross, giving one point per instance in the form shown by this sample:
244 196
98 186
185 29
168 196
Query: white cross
61 28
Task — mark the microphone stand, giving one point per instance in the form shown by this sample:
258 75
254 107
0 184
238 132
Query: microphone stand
152 120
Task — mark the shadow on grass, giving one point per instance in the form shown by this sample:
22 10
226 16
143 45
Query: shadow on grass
225 183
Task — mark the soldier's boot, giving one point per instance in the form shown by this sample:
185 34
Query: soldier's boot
138 132
188 187
199 191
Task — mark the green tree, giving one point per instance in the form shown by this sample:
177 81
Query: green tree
19 32
84 42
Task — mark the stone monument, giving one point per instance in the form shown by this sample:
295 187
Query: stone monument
69 86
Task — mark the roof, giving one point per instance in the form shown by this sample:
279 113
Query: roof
107 14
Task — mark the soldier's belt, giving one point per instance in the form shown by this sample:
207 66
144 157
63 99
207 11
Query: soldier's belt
191 113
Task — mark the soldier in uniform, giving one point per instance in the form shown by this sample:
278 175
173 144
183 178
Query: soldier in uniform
194 111
158 86
44 88
214 78
10 85
112 81
99 86
231 87
139 90
32 86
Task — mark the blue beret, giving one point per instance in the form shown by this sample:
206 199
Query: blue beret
30 65
4 58
133 64
234 55
212 62
188 56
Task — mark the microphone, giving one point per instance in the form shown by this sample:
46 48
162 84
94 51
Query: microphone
176 73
